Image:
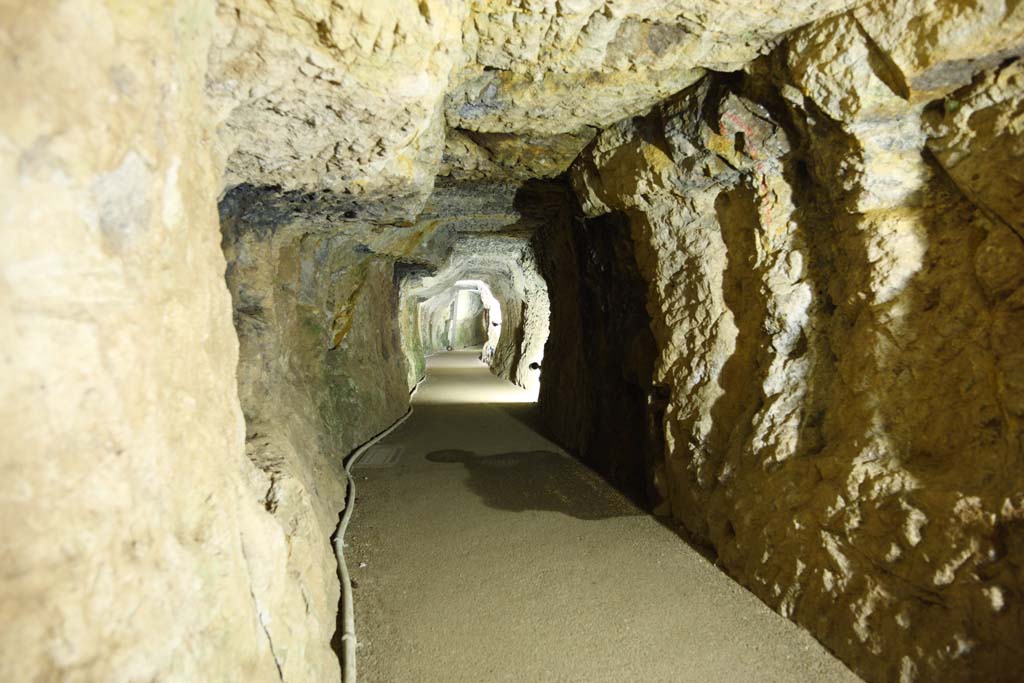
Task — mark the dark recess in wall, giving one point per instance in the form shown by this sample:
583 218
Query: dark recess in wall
597 398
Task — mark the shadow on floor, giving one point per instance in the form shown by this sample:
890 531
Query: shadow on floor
527 414
537 480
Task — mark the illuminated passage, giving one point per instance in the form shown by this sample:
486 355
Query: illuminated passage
481 551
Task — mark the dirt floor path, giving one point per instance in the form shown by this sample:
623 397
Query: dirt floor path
482 552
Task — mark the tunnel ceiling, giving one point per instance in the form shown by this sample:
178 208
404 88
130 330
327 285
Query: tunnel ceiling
407 126
348 113
501 261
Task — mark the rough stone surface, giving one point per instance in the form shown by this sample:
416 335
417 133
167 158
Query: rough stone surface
823 203
474 156
979 140
832 316
134 546
553 67
339 97
320 371
362 98
934 46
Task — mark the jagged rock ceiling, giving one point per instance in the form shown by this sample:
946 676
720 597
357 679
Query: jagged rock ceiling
370 101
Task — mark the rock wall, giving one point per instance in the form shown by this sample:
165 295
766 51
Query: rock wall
321 370
525 308
134 546
342 100
830 243
435 322
469 327
834 276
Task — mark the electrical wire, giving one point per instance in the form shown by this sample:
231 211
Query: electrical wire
348 634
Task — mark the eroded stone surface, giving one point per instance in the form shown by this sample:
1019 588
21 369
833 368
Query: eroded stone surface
355 98
934 46
597 391
342 97
830 239
134 547
839 428
979 140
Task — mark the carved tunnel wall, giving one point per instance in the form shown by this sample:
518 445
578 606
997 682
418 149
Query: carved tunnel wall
775 252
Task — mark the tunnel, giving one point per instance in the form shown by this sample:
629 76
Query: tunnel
533 340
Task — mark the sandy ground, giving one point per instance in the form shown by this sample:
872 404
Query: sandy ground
482 552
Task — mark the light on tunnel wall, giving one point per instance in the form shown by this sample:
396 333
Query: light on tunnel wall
493 308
